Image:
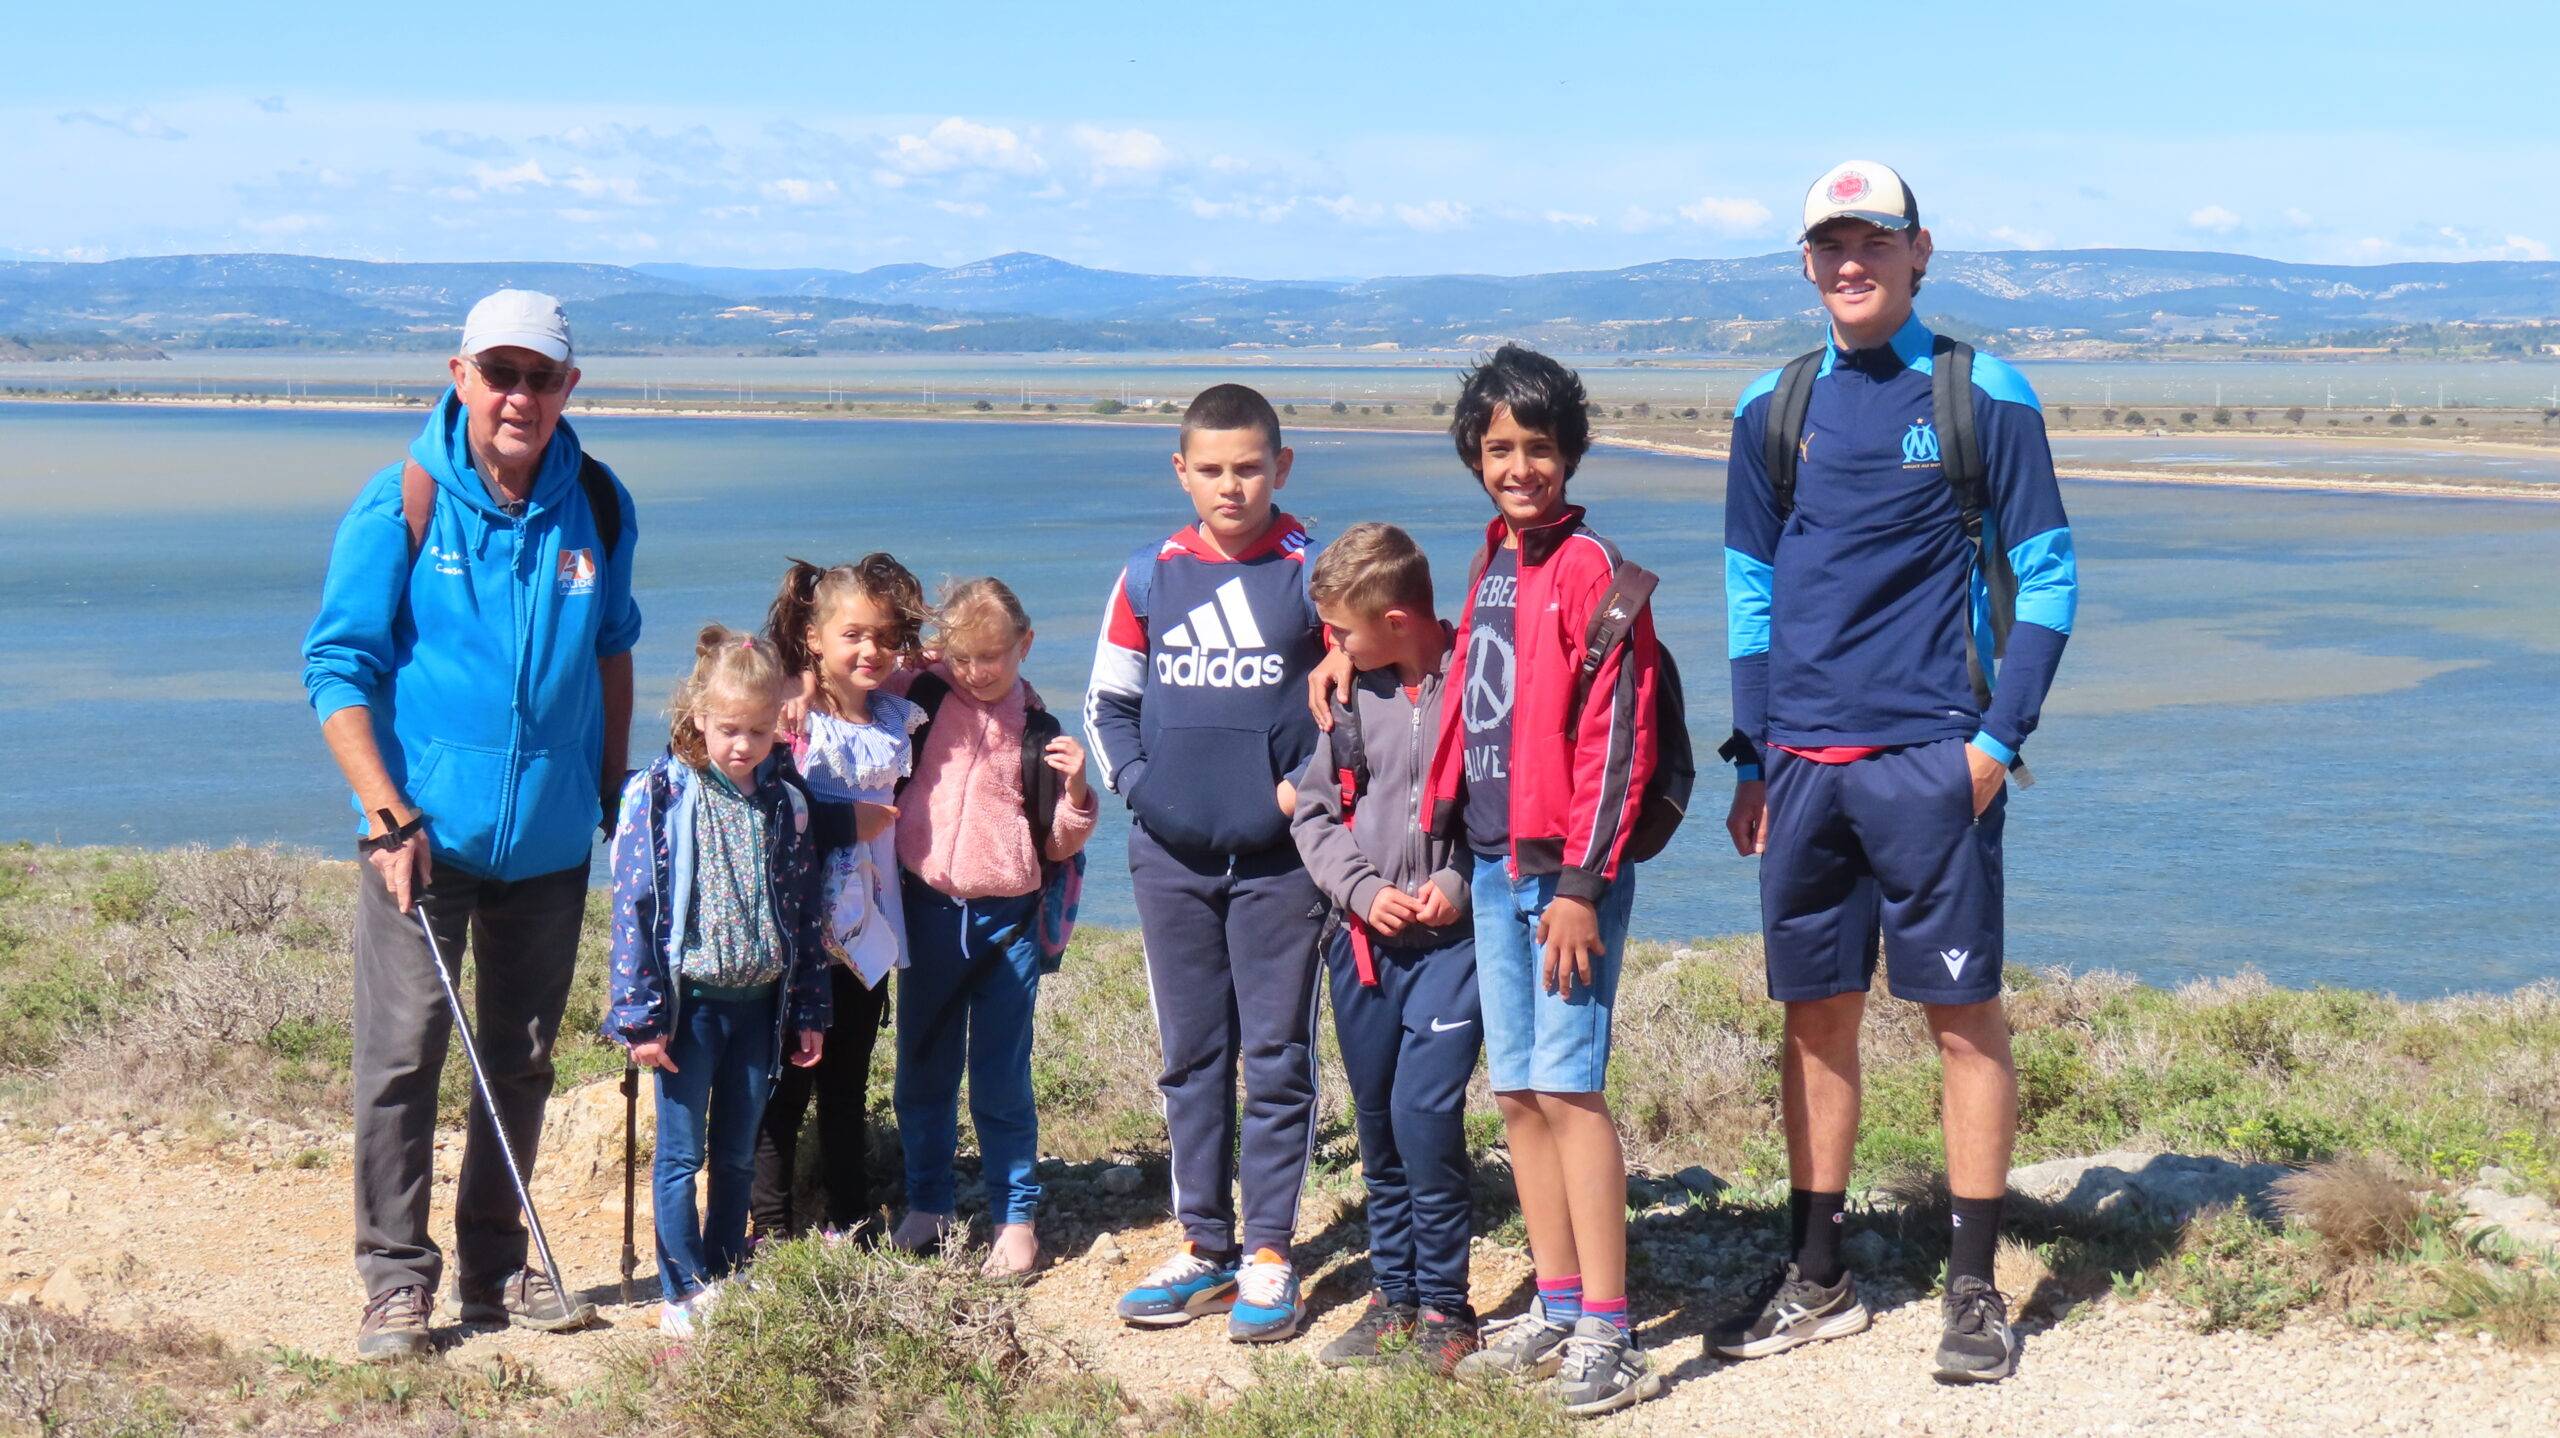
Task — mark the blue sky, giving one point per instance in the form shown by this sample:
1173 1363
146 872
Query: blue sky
1315 139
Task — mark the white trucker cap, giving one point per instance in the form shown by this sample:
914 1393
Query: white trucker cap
523 319
1860 190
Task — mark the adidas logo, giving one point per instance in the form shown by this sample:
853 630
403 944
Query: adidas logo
1211 636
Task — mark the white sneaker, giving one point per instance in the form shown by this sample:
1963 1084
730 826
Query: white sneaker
675 1320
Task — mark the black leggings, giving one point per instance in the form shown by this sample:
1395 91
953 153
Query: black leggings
841 1081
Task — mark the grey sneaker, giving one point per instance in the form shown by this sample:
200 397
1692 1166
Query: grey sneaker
1975 1346
1602 1370
1525 1347
524 1299
1787 1311
395 1326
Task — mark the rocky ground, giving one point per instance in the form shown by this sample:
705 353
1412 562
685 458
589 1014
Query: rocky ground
246 1234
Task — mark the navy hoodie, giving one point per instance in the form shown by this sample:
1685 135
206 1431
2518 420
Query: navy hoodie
1197 707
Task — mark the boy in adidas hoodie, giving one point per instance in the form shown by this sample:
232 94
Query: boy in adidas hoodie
1195 716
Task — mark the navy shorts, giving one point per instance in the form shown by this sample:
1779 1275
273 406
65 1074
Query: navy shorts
1883 848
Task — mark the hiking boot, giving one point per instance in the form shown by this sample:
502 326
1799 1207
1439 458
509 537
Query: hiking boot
524 1299
1266 1308
1180 1289
1442 1341
1603 1370
1976 1346
395 1326
1525 1347
1380 1323
1788 1311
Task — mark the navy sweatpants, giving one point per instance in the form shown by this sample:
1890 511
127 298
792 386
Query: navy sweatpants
1231 970
1409 1047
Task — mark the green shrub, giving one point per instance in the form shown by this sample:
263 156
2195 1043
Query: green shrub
2238 1273
123 896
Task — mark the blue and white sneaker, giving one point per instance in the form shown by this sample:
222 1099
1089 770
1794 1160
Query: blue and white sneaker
1180 1289
1266 1309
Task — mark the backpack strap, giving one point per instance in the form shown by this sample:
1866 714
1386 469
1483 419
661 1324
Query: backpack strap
926 693
417 503
1782 441
1968 480
1137 580
1042 786
1350 757
1612 620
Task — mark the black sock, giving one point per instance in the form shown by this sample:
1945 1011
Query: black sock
1818 1234
1977 1238
1799 1208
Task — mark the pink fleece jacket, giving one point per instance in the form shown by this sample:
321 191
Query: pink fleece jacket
961 825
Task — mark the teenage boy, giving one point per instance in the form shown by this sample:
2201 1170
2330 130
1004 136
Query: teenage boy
1402 962
1193 713
1543 773
1871 747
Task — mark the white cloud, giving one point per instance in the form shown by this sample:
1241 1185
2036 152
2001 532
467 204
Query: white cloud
2019 239
2215 220
512 178
1733 217
591 186
2520 247
956 145
1434 216
1570 220
469 146
800 192
578 215
889 179
1348 208
140 124
1122 154
2298 217
1269 212
970 208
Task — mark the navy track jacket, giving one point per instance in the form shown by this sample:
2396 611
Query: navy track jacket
1197 708
1847 618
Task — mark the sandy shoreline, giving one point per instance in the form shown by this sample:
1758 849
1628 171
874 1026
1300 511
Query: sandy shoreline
2419 487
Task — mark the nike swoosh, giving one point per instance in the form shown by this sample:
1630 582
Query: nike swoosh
1438 1027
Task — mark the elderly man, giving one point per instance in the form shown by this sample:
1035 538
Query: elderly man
471 667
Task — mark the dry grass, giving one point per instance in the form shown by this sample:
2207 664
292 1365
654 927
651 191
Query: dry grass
2360 1208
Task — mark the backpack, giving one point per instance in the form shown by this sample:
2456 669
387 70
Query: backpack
418 504
1675 764
1061 881
1959 457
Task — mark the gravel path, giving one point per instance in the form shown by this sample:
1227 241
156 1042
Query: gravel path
242 1241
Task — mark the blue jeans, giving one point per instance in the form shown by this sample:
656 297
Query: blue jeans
708 1109
965 1000
1533 1039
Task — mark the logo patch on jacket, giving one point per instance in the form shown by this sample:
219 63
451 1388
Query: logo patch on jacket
1214 636
1919 445
577 572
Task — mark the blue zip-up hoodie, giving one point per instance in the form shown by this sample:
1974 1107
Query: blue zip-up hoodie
1848 616
478 660
654 872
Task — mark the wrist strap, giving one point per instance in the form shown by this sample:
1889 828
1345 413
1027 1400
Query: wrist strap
393 834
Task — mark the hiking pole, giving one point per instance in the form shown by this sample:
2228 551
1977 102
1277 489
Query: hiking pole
630 1165
489 1100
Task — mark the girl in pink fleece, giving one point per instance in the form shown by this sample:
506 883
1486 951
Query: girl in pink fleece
973 872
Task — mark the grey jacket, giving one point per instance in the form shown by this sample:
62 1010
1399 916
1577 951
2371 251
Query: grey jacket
1384 845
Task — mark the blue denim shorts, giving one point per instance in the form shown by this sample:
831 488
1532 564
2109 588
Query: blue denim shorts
1552 1043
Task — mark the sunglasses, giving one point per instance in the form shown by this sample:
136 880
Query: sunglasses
503 376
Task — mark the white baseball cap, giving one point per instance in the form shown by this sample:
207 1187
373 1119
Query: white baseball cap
523 319
1860 190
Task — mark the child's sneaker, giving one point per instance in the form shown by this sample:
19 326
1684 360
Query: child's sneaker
685 1319
1380 1323
1266 1308
1442 1341
1180 1289
1524 1347
1603 1370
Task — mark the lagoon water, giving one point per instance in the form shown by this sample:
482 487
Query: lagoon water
2304 732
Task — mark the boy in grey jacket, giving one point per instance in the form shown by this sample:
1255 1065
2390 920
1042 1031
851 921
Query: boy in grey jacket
1401 962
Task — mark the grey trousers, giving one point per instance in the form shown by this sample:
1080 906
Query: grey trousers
524 946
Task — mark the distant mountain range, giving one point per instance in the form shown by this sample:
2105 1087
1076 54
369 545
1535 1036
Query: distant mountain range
1033 302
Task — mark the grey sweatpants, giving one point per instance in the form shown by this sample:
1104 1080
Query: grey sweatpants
524 945
1231 968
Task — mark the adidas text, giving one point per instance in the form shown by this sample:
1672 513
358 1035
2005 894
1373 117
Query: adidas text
1193 670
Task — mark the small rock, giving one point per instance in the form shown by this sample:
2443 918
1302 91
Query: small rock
58 1201
1698 1180
1122 1179
1106 1249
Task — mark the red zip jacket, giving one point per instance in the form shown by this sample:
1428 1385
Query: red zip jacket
1574 797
